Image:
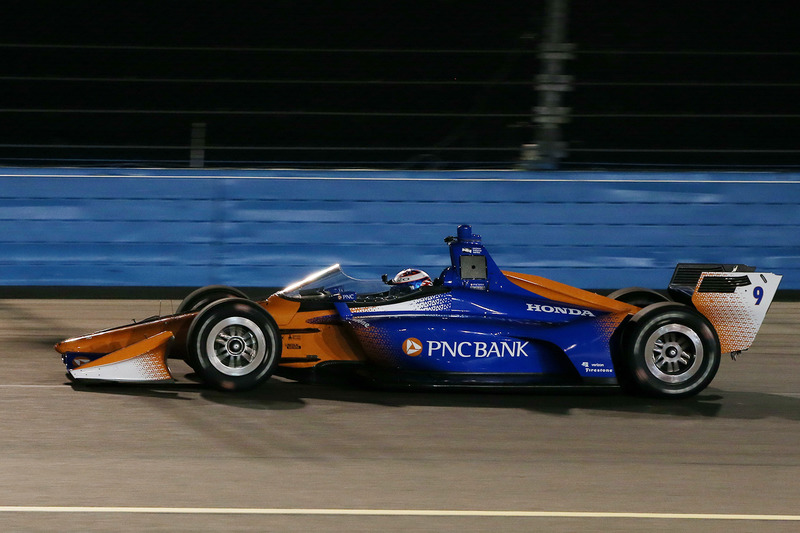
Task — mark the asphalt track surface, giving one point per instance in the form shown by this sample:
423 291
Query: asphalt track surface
297 457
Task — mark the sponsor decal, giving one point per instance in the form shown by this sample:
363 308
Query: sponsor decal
559 310
596 368
412 347
465 349
78 361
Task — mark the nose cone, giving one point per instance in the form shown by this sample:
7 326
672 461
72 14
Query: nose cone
64 346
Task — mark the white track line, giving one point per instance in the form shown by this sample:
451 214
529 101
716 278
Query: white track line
377 175
23 386
397 512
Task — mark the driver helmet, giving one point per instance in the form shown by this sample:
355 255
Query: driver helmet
411 279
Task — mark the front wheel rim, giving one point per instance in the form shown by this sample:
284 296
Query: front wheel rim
236 346
674 353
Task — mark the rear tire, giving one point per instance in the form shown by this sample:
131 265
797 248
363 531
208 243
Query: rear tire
235 344
638 296
671 351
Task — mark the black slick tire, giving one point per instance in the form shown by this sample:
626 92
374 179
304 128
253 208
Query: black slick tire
670 350
199 298
638 296
235 344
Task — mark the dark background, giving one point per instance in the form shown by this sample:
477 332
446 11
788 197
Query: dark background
436 84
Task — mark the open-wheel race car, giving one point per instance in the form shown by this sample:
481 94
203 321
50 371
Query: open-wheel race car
473 326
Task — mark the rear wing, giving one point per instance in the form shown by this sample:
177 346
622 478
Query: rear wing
735 298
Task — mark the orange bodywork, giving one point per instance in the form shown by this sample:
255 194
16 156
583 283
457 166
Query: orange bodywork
568 294
117 338
559 292
304 337
304 342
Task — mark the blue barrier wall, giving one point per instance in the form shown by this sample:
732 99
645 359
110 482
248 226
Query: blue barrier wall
131 227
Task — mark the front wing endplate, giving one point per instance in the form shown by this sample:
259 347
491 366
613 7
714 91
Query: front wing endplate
144 361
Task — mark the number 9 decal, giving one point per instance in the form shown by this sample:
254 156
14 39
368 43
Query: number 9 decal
758 294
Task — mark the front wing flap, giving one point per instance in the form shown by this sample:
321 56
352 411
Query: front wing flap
141 362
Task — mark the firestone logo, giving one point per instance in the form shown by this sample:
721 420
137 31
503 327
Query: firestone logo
559 310
596 367
466 349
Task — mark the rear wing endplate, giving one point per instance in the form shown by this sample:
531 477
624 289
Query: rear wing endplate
734 298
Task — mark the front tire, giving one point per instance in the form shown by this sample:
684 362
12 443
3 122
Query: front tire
235 344
671 351
200 298
203 296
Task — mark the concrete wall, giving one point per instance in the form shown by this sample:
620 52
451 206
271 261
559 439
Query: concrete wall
134 227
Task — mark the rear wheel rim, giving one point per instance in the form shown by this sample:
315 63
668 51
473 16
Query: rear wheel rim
236 346
674 353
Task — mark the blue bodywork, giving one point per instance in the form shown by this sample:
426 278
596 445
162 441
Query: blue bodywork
476 326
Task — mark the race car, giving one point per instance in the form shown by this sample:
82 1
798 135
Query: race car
473 326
